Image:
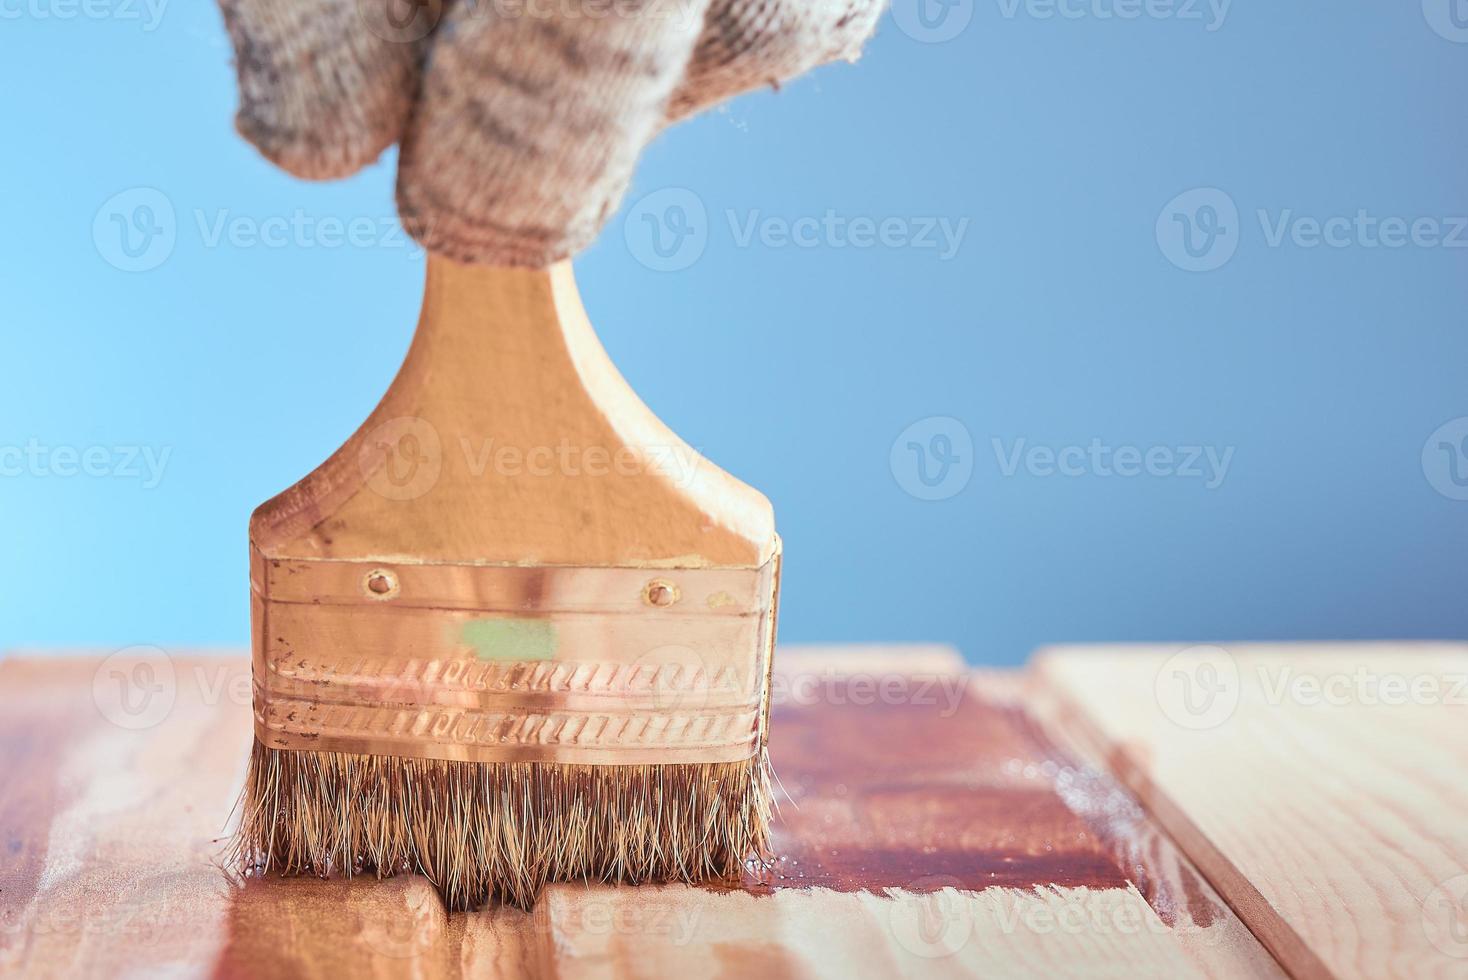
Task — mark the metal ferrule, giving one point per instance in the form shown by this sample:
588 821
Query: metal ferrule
500 663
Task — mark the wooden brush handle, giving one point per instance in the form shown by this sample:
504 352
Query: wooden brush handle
509 437
505 565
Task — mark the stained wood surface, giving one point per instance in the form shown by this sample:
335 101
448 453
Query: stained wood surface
932 828
1322 789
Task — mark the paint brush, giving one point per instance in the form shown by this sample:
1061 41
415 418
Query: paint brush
514 630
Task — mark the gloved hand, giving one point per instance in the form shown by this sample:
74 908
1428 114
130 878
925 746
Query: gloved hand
520 121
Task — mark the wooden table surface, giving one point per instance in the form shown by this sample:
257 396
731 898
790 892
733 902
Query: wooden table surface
1153 811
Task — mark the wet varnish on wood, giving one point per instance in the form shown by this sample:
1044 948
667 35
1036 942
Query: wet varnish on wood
936 821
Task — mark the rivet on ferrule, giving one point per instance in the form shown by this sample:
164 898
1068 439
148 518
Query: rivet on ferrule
660 592
380 584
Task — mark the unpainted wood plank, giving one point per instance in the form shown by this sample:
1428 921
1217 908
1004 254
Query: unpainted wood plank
1321 788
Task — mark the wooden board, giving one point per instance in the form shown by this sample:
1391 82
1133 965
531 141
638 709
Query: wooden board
932 829
1322 789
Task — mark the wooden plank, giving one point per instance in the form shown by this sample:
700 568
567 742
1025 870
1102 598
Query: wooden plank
1320 788
932 830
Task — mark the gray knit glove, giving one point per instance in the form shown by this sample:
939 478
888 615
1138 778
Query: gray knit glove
520 120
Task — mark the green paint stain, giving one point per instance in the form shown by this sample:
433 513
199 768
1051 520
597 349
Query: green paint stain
510 639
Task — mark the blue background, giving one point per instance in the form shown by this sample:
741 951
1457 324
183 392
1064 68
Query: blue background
1060 320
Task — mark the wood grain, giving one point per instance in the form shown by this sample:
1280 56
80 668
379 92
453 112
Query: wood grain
505 501
509 437
1320 788
931 829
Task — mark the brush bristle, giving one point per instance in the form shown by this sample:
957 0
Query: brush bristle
500 831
